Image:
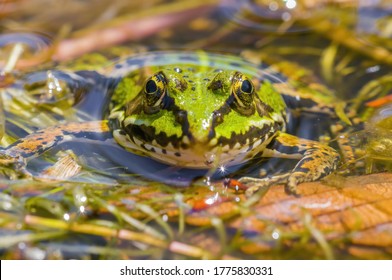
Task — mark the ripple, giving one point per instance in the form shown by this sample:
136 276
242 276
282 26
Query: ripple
34 48
51 87
380 115
35 41
268 16
374 18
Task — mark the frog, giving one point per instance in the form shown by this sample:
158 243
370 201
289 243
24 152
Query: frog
196 110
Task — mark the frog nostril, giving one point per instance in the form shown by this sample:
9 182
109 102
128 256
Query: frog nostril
181 117
180 84
215 85
217 118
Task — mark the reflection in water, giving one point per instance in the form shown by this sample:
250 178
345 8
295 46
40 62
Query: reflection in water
275 235
373 18
66 217
31 48
34 42
267 16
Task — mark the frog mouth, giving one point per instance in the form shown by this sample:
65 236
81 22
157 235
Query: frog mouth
181 151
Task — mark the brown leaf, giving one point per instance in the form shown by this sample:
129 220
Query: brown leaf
346 213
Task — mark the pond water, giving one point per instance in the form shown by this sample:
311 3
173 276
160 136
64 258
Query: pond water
63 64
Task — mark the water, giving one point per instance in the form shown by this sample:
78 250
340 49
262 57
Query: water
34 40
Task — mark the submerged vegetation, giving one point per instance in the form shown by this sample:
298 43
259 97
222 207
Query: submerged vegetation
75 202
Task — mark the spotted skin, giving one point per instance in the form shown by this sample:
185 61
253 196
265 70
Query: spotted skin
40 141
315 161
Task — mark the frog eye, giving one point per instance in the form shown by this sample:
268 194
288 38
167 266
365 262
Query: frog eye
247 87
154 92
243 92
151 87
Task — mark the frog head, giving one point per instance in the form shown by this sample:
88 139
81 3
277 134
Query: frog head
197 116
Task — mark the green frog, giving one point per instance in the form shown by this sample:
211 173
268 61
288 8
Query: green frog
194 110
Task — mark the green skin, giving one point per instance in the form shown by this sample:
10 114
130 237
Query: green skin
209 120
200 111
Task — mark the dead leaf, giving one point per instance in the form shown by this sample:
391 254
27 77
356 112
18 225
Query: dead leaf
354 217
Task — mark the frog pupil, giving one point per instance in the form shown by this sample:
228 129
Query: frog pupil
151 86
246 86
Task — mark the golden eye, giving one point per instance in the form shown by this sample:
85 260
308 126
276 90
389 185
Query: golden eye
155 91
151 87
243 93
247 87
242 90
